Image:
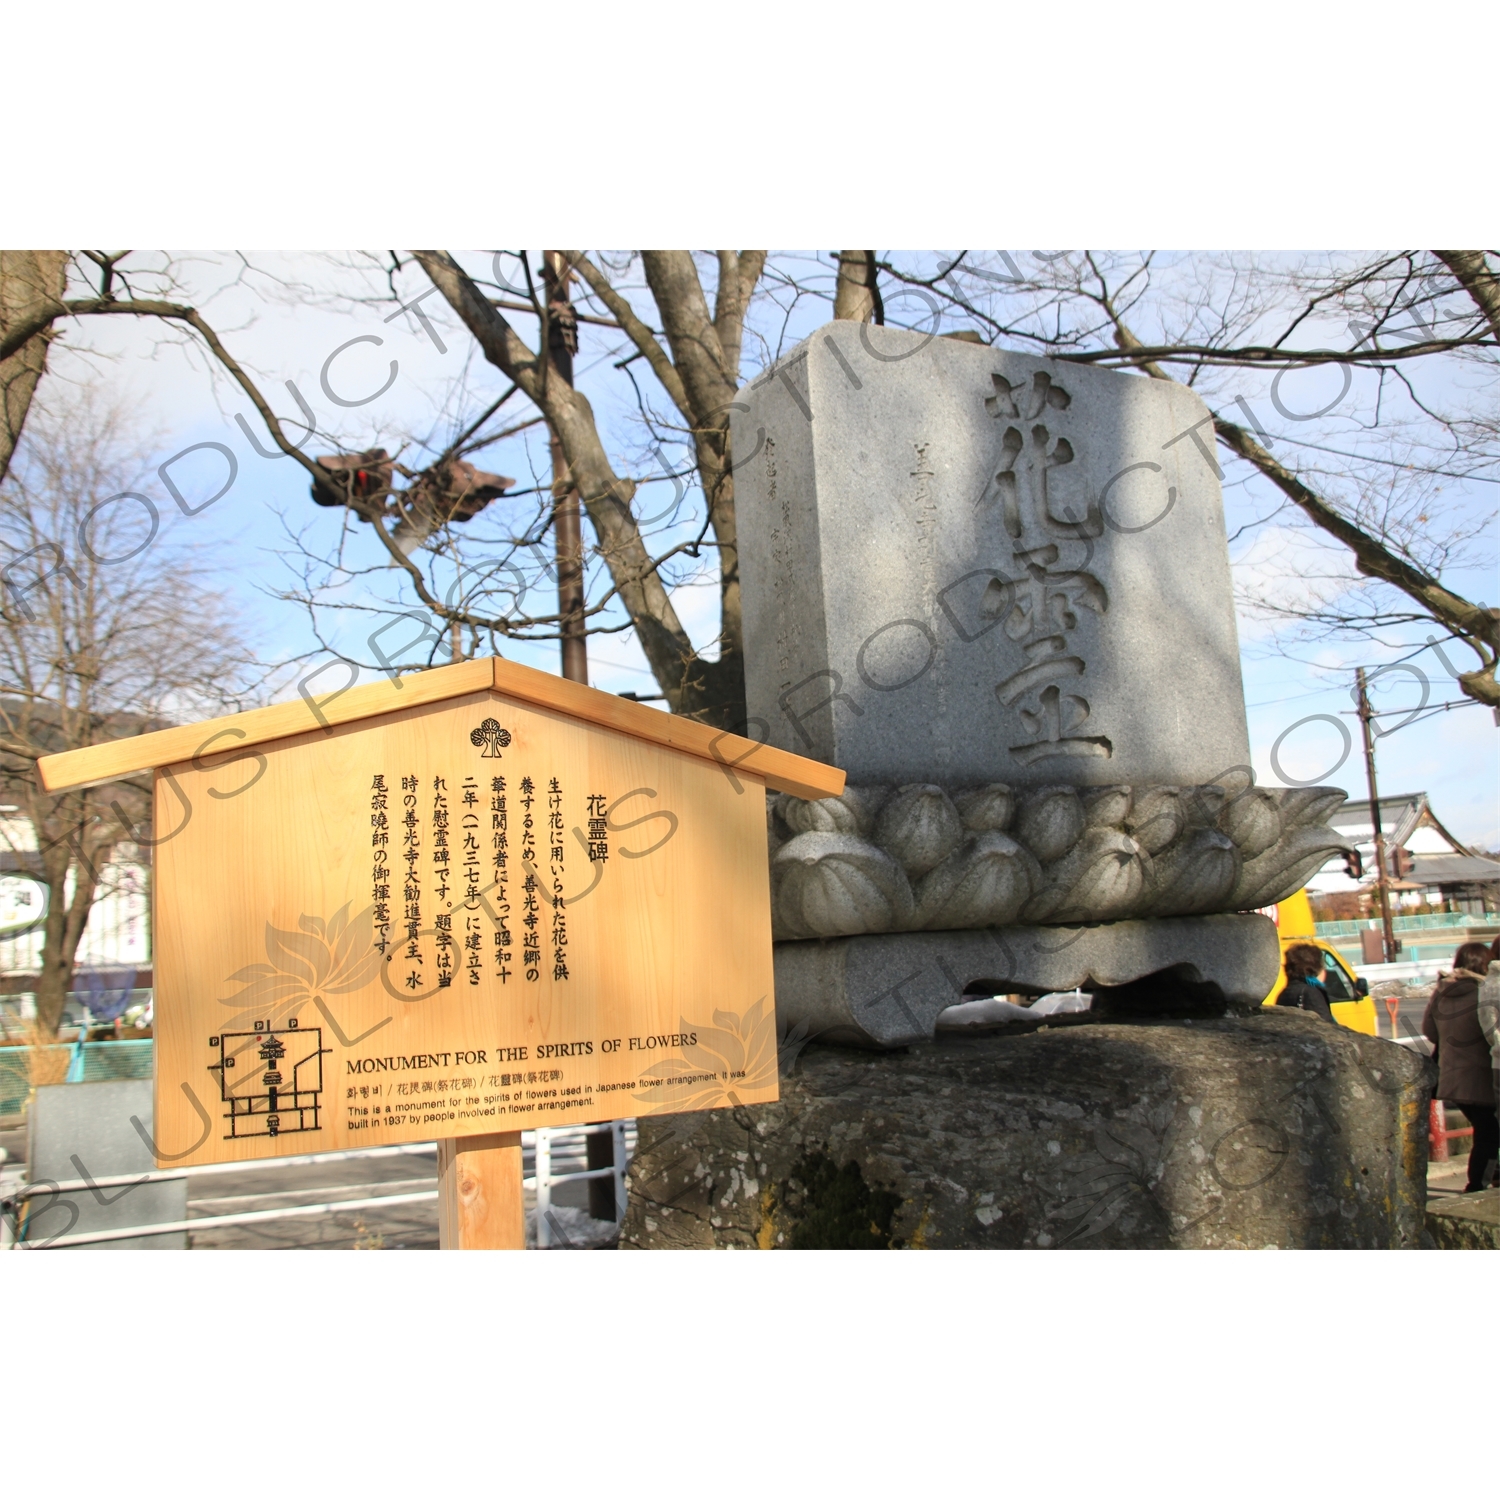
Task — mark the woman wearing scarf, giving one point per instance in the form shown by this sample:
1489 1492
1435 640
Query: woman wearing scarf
1304 982
1462 1051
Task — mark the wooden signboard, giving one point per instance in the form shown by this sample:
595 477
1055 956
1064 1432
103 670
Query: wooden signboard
454 905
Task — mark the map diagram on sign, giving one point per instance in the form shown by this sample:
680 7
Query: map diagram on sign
271 1078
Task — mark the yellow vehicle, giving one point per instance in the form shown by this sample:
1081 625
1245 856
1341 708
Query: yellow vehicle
1348 997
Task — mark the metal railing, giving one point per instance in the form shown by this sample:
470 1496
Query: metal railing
1439 1134
1422 921
554 1153
14 1221
555 1156
87 1062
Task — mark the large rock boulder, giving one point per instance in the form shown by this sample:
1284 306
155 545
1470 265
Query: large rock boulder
1468 1223
1272 1129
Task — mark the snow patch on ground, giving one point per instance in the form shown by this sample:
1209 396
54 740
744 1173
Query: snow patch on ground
987 1012
573 1229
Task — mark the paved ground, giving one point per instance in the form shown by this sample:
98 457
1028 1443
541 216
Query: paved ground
404 1226
1446 1179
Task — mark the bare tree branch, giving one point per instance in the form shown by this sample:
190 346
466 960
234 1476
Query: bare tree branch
1476 626
605 495
697 354
640 335
738 275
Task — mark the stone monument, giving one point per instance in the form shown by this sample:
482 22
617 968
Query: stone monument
994 589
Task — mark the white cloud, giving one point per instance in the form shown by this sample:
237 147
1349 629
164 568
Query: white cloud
1287 567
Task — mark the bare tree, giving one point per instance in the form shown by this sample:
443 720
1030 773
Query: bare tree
102 635
695 359
1415 326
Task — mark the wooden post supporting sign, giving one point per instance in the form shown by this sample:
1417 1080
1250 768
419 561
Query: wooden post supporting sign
481 1199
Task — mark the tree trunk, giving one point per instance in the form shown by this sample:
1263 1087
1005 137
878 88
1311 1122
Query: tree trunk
29 281
705 360
61 934
567 525
605 495
1473 273
856 298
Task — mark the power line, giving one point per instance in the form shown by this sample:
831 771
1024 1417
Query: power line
1392 463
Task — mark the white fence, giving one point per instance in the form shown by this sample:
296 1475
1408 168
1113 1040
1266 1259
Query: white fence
561 1155
1415 969
550 1158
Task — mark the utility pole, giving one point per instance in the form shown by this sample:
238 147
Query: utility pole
1382 875
562 344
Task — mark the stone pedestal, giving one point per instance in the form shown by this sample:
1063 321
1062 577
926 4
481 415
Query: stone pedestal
1468 1223
1274 1129
888 990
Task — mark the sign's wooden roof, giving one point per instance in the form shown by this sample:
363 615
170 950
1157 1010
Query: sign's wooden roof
114 759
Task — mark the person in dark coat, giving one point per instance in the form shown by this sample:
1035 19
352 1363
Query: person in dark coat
1462 1052
1304 981
1489 1012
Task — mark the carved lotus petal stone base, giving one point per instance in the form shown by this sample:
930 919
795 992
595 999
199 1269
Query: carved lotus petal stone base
1197 874
985 882
925 856
919 828
1101 878
826 884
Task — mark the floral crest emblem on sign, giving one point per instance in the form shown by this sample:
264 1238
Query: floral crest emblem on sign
491 737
